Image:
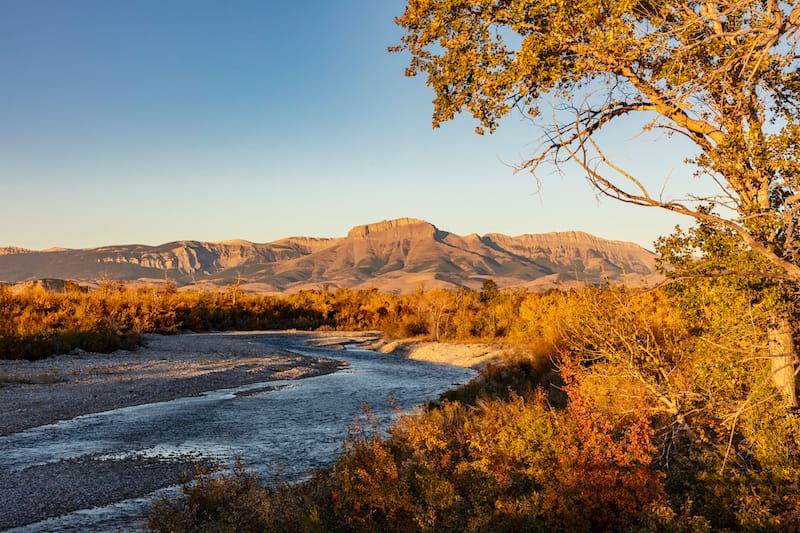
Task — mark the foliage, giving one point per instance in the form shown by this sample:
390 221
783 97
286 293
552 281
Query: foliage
35 324
722 74
522 373
229 503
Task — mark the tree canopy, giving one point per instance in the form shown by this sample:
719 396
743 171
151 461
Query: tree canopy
721 73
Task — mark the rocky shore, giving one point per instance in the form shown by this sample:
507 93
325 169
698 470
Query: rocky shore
37 393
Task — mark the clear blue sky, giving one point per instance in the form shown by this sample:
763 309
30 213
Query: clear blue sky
149 121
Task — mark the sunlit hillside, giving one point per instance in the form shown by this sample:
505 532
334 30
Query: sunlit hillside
397 255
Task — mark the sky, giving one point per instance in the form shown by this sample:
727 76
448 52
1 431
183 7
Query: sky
152 121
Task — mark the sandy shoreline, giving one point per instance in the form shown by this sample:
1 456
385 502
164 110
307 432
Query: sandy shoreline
474 355
468 355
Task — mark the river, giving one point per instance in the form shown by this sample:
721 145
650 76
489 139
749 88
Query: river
286 427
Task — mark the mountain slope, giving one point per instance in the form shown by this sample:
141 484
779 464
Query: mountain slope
390 255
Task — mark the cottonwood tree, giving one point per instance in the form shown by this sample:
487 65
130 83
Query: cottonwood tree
722 74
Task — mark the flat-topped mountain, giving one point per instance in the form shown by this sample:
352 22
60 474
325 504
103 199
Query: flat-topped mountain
393 255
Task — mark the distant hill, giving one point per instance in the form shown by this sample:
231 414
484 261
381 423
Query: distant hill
393 255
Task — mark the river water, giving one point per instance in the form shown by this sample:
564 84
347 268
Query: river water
286 427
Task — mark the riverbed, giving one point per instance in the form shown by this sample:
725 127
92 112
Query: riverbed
281 428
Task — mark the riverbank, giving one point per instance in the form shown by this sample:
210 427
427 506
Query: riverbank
473 355
34 394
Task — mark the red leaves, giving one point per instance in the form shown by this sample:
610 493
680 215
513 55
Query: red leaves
603 479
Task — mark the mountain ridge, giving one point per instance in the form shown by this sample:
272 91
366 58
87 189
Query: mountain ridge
395 255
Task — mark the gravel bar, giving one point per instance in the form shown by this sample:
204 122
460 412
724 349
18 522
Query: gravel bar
43 392
55 489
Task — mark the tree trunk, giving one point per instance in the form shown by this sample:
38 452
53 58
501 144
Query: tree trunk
782 358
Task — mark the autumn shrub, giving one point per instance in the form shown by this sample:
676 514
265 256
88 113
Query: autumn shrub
727 445
214 503
604 478
36 324
745 478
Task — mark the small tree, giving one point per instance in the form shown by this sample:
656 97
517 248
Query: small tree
720 73
489 290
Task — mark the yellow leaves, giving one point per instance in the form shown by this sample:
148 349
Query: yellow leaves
480 56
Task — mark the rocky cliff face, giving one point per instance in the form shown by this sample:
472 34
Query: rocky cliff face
393 229
576 248
190 257
390 255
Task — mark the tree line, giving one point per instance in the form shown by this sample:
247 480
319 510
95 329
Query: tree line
36 323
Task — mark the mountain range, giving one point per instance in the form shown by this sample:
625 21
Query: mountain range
393 255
